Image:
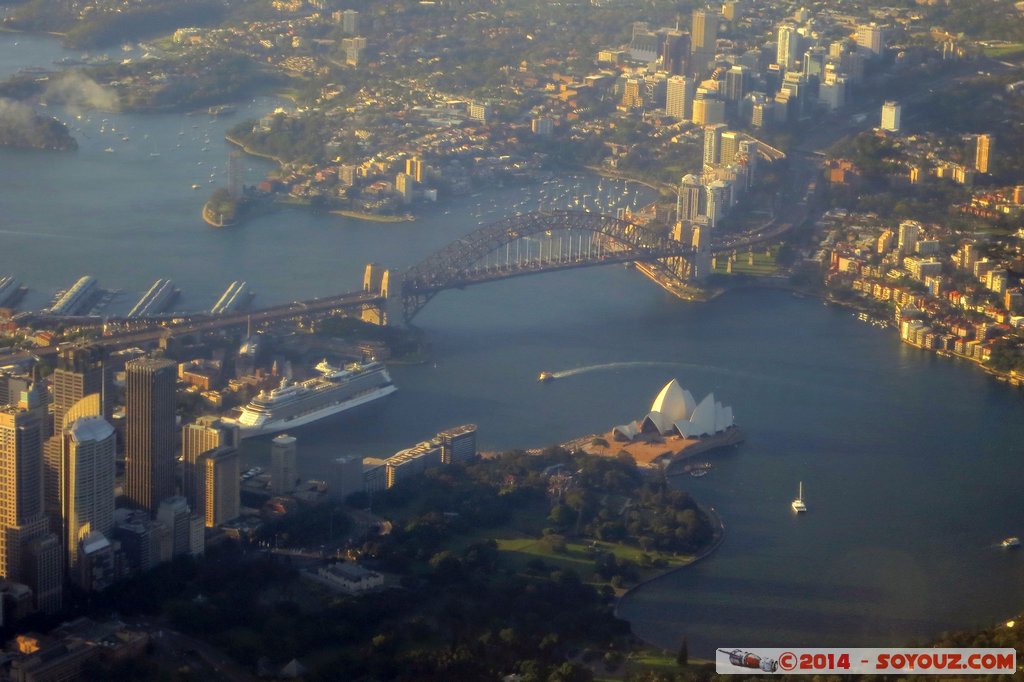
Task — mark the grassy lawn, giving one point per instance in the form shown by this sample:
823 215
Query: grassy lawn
650 660
1003 50
764 264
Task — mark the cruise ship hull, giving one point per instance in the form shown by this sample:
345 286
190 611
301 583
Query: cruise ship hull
277 425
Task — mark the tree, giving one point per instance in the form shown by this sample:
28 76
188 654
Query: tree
683 656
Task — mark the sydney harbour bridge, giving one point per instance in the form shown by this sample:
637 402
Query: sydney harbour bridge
525 244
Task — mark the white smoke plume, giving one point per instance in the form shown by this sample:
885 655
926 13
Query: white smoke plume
78 92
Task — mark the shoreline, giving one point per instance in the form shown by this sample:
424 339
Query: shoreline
717 539
373 217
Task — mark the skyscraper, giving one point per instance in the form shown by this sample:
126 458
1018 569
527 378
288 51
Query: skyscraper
871 38
729 146
703 38
908 234
149 431
691 200
79 372
679 97
713 143
87 484
350 22
282 464
788 48
737 83
205 435
21 505
29 553
891 116
983 152
220 502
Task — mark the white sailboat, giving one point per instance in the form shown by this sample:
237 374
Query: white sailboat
798 504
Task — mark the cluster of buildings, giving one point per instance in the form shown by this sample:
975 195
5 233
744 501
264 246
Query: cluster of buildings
450 446
62 520
948 294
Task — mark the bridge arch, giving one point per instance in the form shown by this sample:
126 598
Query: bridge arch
468 260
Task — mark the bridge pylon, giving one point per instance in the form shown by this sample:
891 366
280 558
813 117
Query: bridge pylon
378 280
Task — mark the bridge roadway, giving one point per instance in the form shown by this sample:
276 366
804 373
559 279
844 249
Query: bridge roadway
209 323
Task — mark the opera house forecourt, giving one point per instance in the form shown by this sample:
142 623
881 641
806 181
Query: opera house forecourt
676 427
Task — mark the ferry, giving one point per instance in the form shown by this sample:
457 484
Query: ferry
1011 543
336 390
545 377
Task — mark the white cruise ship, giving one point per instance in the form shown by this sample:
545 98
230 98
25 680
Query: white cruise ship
334 391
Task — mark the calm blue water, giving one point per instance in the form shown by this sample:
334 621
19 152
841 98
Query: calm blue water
910 462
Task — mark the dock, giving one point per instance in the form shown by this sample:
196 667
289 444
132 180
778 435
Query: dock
236 296
156 299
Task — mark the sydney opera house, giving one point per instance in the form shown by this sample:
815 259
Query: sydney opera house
676 413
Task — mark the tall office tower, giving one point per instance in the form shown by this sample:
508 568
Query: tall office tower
690 200
674 52
891 116
788 48
732 10
708 110
832 93
42 570
713 143
703 38
149 431
55 463
79 372
679 97
282 464
871 37
21 507
11 386
350 22
814 63
87 486
175 514
737 83
907 241
983 152
220 501
205 435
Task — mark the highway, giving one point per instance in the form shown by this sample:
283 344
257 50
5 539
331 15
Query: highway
210 323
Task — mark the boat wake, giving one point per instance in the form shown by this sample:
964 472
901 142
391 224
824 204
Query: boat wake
610 366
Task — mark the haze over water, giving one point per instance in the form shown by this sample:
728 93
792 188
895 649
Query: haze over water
911 463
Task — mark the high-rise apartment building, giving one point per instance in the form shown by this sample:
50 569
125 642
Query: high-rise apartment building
983 152
713 143
283 473
690 200
458 444
149 431
350 22
220 502
679 97
908 234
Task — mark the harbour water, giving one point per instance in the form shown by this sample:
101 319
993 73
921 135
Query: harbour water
910 462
